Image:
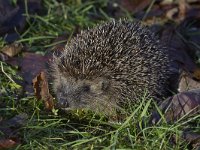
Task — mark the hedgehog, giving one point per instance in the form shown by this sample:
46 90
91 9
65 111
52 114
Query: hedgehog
109 66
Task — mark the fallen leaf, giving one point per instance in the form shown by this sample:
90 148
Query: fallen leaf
192 138
7 143
196 74
179 51
180 105
12 17
135 5
189 30
3 57
183 9
7 126
12 49
187 81
172 13
166 2
10 128
31 65
41 89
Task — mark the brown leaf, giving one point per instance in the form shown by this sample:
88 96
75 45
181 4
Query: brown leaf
31 65
179 12
166 2
3 57
187 82
8 126
179 51
192 138
12 49
135 5
41 89
196 74
183 9
170 14
7 143
187 31
180 105
12 18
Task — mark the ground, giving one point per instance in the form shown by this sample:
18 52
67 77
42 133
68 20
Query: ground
31 30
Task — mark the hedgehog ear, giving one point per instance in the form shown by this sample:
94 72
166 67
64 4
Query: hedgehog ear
55 59
53 63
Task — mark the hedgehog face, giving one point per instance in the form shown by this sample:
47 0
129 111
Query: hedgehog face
94 94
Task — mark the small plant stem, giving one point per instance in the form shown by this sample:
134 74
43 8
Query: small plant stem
6 73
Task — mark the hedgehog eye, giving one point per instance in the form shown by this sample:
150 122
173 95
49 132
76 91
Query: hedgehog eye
104 85
86 88
77 63
62 60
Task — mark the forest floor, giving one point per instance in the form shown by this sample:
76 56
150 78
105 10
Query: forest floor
31 30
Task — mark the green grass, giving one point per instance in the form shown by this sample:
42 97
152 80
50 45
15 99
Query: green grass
47 130
44 130
61 18
52 130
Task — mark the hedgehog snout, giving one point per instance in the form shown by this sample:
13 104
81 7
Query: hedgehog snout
62 99
62 102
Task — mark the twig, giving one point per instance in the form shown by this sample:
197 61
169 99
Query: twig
6 73
148 10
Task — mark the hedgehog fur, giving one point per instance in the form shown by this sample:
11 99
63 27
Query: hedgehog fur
104 68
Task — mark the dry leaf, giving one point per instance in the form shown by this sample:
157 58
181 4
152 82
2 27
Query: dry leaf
183 9
3 57
135 5
187 81
12 17
12 49
31 65
196 74
170 14
10 128
41 89
7 143
192 138
178 49
180 105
